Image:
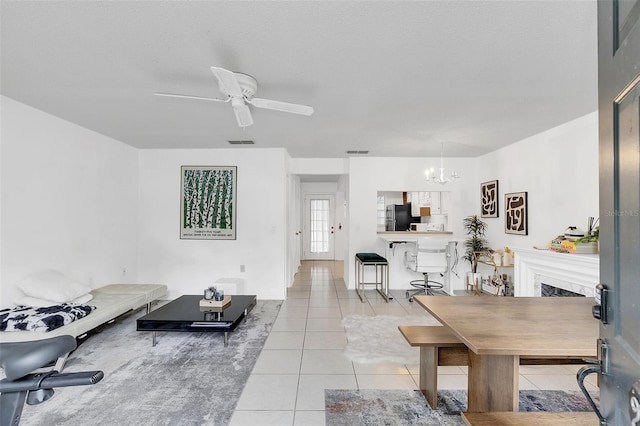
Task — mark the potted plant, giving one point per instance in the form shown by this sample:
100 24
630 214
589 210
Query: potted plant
475 229
589 243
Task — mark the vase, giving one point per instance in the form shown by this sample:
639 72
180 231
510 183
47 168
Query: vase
472 281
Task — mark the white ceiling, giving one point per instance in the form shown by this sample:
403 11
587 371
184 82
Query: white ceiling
395 78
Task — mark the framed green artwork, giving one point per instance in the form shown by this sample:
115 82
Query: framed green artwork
208 202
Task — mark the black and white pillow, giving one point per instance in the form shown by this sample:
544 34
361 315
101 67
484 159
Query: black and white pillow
30 318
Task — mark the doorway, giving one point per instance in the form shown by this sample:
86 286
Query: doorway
319 227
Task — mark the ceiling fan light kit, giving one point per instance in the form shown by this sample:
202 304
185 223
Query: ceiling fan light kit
239 89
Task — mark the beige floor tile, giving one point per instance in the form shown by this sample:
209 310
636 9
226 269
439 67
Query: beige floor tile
525 384
278 361
285 340
347 294
309 418
452 381
298 295
269 392
295 303
331 312
325 362
293 312
385 381
414 369
325 340
324 301
544 369
380 368
289 324
324 324
364 309
262 418
451 370
566 382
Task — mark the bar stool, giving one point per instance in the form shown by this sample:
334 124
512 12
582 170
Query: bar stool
381 266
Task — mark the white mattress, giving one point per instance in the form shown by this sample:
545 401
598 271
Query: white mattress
110 301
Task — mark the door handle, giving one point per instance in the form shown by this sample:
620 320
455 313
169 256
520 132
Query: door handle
582 374
599 366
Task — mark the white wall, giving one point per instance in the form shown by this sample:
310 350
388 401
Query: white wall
188 266
559 170
367 176
69 201
319 166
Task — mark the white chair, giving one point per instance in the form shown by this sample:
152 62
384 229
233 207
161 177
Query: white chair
429 257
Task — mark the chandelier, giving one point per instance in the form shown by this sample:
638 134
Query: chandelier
440 177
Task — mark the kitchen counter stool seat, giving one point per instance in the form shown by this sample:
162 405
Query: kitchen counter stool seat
381 267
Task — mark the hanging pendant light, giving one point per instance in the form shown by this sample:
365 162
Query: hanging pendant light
440 177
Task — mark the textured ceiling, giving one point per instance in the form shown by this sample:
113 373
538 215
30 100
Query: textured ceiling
394 78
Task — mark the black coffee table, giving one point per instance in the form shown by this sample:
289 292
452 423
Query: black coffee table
185 314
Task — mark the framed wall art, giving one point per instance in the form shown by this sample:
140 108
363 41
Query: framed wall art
208 202
489 199
515 213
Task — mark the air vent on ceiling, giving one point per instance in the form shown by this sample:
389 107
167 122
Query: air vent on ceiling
241 142
357 152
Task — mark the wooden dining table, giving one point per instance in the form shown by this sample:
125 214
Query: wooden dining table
499 330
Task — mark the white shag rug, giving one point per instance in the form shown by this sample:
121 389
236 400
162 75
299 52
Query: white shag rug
372 339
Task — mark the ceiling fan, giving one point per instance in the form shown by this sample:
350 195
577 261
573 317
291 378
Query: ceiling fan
239 89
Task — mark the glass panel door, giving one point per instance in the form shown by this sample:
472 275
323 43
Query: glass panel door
319 218
319 226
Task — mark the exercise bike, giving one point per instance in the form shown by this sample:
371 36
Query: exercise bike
20 359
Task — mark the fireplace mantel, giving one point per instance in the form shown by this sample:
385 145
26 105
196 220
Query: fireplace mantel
580 271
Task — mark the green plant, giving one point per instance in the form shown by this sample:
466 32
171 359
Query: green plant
475 229
591 238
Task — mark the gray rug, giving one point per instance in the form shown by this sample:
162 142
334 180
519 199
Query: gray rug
187 379
408 407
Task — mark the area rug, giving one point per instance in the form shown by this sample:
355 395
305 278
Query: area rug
408 407
186 379
365 334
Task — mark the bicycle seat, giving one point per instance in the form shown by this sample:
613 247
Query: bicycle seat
20 358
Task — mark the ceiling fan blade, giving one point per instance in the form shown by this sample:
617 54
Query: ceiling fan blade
201 98
241 110
227 81
281 106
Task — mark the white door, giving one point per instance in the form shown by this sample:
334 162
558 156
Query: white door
619 125
294 229
297 225
319 227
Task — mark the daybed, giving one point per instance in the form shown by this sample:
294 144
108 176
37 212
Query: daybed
110 302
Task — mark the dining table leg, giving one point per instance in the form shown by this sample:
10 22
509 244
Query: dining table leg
493 383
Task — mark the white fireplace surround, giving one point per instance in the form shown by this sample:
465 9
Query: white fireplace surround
579 273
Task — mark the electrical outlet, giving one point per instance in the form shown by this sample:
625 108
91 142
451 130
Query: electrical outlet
241 268
124 272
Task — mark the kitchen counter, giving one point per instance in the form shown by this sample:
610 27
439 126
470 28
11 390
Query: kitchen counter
396 244
415 232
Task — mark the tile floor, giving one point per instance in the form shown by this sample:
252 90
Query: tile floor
303 354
